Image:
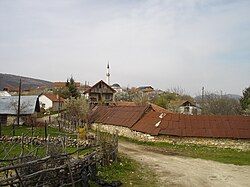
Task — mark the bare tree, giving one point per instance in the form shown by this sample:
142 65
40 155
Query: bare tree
141 98
178 90
77 109
215 104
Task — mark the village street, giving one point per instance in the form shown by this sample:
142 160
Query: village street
183 171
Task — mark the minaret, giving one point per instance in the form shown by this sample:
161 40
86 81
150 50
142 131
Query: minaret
108 74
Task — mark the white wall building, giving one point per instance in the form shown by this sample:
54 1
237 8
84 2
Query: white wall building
45 102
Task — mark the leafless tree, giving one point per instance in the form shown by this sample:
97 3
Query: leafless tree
141 98
77 109
215 104
178 90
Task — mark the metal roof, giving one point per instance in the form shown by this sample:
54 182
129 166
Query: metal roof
145 119
95 85
125 116
206 126
149 123
28 105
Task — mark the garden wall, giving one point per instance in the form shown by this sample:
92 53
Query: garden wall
240 144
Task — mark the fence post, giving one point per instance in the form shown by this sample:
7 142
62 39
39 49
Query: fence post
13 129
77 144
32 127
45 130
59 124
0 129
22 146
49 119
47 146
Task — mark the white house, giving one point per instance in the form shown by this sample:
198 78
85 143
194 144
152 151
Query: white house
189 108
117 88
4 93
51 101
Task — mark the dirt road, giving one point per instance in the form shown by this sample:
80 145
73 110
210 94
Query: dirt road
184 171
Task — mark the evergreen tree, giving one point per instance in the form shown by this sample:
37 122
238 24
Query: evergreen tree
245 100
72 88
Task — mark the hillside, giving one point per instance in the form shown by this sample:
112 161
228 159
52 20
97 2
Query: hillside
12 82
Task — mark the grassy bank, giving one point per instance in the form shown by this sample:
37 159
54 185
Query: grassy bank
224 155
129 172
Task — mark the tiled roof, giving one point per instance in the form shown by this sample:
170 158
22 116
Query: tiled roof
125 116
54 97
63 84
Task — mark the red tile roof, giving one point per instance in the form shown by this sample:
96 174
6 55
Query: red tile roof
63 84
54 97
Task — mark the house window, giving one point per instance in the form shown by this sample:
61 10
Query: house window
186 109
108 97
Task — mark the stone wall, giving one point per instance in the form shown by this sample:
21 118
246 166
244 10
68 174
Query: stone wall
122 131
240 144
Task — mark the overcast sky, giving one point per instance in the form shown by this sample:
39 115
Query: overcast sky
188 44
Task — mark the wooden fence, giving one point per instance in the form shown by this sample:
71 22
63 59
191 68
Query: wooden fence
64 169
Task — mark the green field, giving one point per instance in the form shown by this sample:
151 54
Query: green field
37 131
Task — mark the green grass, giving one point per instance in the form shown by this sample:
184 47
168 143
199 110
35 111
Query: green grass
129 172
41 150
38 131
224 155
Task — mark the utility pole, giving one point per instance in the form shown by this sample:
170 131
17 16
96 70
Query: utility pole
202 98
18 107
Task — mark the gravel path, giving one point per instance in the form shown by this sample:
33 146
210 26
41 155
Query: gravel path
184 171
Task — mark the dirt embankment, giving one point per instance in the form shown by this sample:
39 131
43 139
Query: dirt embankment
182 171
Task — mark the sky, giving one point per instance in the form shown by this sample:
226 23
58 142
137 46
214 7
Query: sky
166 44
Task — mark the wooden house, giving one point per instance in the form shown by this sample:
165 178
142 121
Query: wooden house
100 94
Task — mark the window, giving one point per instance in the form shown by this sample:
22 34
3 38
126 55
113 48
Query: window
108 97
186 109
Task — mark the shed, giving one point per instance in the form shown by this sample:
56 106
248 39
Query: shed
9 104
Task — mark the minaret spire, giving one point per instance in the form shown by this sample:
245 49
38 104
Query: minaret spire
108 74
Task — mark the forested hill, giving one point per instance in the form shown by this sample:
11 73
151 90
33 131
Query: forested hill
12 82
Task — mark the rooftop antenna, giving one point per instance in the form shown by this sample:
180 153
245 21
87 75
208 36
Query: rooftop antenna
108 74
